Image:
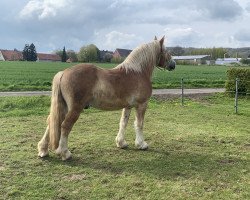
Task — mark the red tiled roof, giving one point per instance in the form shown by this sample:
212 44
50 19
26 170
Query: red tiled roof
11 55
48 57
123 52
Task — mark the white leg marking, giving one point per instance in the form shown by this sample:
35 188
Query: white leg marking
139 119
120 138
62 149
139 140
43 144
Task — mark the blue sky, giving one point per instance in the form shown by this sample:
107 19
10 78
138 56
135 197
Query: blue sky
110 24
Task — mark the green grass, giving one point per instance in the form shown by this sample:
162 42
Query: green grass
20 76
16 76
203 76
199 151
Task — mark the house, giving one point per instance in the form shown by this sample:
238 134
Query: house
1 57
15 55
227 61
121 53
192 59
43 57
11 55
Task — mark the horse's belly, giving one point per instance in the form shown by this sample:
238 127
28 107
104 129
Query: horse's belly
115 104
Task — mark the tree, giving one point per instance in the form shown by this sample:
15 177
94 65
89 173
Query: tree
89 53
107 57
33 54
177 51
64 55
29 52
213 52
72 55
26 52
58 52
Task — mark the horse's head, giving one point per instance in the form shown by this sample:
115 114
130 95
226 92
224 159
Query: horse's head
165 59
170 63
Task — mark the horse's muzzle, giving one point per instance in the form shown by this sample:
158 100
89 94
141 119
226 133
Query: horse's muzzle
171 65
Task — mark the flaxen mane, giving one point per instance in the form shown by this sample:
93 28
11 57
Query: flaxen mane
141 57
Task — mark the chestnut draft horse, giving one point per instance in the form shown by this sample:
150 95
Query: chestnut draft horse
126 86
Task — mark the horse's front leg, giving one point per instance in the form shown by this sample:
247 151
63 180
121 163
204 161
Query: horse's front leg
120 138
139 119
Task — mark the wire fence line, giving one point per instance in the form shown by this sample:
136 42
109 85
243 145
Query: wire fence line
234 92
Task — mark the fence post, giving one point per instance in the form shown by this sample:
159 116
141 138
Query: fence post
182 92
236 96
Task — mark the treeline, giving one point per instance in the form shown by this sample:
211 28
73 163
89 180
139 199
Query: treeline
89 53
213 52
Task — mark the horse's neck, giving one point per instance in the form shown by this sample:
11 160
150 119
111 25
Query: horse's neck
144 69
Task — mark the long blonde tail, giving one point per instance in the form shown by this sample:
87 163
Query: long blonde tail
57 112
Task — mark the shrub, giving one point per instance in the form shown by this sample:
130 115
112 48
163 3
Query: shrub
245 61
117 60
186 62
243 74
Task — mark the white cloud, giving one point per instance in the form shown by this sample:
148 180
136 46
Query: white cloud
248 7
116 39
243 35
182 36
114 24
43 8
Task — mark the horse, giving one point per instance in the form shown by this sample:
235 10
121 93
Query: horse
125 86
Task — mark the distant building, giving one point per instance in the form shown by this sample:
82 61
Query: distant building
192 59
11 55
227 61
15 55
43 57
121 53
1 57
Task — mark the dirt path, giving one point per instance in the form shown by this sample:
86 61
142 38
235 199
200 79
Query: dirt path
156 92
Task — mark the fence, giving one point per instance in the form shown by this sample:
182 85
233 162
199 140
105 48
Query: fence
236 93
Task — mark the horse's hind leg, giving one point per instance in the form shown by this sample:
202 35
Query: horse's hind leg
139 119
69 121
43 144
120 138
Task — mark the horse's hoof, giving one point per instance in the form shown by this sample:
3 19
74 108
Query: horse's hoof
122 144
67 156
43 154
142 146
43 150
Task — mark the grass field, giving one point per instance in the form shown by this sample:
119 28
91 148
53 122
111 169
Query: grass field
199 151
16 76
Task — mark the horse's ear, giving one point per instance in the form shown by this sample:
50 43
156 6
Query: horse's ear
155 38
162 40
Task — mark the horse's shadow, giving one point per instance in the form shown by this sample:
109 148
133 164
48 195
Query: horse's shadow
165 165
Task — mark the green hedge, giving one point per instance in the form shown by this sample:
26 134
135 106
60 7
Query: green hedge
245 61
243 74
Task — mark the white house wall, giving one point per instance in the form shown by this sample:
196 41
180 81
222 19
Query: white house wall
1 57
